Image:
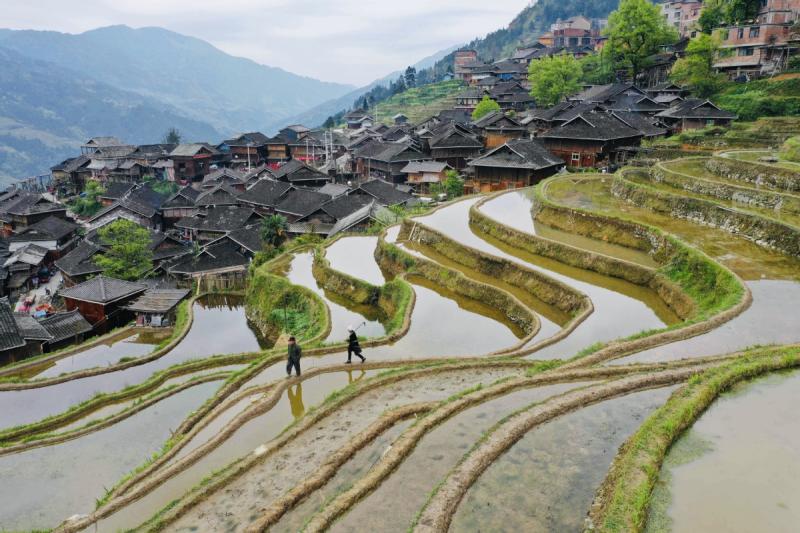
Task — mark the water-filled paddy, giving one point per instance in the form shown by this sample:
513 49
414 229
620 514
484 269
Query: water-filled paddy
738 468
41 487
219 327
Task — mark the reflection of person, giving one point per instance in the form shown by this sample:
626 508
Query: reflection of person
352 346
351 379
296 400
294 353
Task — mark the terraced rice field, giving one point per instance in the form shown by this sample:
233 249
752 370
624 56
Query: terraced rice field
552 345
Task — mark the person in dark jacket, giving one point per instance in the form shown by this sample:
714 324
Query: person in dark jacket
352 346
294 352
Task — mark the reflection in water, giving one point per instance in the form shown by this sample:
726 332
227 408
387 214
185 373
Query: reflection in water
355 256
295 394
548 479
359 376
219 327
738 467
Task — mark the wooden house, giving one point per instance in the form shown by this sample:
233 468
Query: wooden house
20 209
102 300
248 150
56 235
516 163
192 161
422 174
298 173
386 160
141 205
695 113
157 307
496 128
222 261
208 225
278 149
180 205
592 139
454 144
225 176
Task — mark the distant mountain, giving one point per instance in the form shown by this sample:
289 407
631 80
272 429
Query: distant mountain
202 82
47 112
317 115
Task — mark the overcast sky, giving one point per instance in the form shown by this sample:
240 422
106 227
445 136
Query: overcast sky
349 41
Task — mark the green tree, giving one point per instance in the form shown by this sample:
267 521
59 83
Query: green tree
173 136
329 123
553 78
128 255
635 31
738 11
484 107
791 149
597 68
88 204
696 68
273 230
453 184
712 15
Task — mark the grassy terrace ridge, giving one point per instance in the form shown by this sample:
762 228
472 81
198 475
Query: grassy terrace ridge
420 103
765 131
716 292
624 497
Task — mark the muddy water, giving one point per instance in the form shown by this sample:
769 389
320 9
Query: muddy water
219 327
355 256
738 467
551 318
266 427
406 490
41 487
129 345
744 257
612 298
514 210
343 313
233 508
771 319
346 475
546 481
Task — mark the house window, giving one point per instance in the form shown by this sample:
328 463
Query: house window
746 51
754 31
740 33
576 157
709 123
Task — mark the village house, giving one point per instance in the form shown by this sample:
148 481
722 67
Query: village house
96 143
293 132
278 150
157 307
140 205
246 151
682 15
496 128
469 99
454 144
516 163
22 266
762 47
591 139
223 262
422 174
20 209
357 119
192 161
695 113
56 235
214 222
385 193
385 160
462 59
224 176
69 176
512 96
32 332
179 205
220 195
13 347
101 301
65 329
298 173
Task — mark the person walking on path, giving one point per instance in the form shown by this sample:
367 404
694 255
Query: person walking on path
353 347
294 352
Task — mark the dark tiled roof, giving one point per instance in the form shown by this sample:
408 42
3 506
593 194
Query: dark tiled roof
151 151
116 189
142 200
334 189
604 93
219 219
696 108
528 154
549 113
425 166
343 206
62 326
50 228
301 202
224 254
220 195
294 171
254 138
102 290
30 328
104 141
455 115
498 120
186 196
10 337
78 261
371 211
635 102
385 192
454 136
189 150
593 125
249 237
265 193
641 122
26 203
226 175
157 300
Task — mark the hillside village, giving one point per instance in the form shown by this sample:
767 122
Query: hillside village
204 204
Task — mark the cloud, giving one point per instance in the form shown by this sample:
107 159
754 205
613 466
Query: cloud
349 41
